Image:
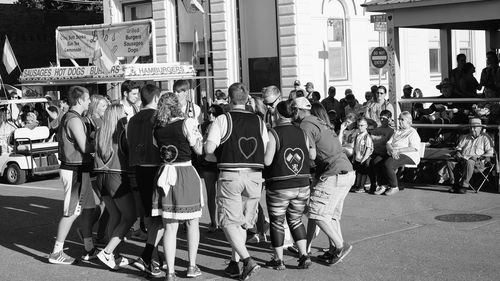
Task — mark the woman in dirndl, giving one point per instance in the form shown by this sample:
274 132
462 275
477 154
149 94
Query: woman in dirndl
178 196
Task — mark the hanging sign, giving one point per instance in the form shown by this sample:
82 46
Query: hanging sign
123 40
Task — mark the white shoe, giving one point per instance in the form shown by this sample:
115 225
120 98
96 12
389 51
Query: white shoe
107 259
380 190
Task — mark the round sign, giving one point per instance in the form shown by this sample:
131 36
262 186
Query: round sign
379 57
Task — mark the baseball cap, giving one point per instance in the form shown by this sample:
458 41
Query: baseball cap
302 103
475 122
407 87
296 83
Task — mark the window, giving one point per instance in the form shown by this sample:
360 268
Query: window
137 11
336 49
337 40
434 52
434 61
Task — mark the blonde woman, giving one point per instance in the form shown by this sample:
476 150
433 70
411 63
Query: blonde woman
402 148
178 197
111 168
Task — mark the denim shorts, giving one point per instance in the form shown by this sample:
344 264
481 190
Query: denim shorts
327 196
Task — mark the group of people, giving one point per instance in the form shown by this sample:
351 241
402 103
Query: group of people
143 163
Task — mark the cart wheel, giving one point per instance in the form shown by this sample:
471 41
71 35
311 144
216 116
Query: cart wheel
14 174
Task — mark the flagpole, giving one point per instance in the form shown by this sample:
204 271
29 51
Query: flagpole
205 45
3 87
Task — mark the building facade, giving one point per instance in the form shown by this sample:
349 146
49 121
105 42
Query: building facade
262 42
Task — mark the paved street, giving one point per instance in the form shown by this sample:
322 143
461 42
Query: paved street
394 238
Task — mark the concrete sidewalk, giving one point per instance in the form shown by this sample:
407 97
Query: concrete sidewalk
394 238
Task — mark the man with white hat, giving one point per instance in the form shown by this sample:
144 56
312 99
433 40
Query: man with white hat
333 178
471 153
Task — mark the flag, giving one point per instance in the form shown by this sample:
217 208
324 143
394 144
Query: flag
103 57
8 58
196 48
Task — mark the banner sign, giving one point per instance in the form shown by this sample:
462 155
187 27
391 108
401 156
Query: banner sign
124 72
124 41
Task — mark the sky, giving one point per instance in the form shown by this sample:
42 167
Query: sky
7 1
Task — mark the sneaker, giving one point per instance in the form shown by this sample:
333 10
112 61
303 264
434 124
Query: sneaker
248 270
380 190
326 256
152 269
90 255
341 253
254 239
359 190
391 191
276 264
304 262
170 277
139 235
232 269
122 261
107 259
193 271
61 258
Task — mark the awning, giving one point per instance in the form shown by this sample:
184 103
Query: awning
440 14
119 73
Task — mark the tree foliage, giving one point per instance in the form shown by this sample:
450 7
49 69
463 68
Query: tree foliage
77 5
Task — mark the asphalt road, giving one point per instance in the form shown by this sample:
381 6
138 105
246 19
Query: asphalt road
394 238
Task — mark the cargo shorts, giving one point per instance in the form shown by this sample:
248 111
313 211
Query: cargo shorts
238 196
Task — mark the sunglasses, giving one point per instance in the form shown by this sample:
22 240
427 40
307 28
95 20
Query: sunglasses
271 104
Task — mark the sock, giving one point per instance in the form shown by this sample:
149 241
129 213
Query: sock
88 243
58 246
246 260
147 253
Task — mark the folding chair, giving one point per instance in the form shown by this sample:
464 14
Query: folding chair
484 175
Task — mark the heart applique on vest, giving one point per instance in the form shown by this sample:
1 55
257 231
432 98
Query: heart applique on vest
247 146
294 159
169 153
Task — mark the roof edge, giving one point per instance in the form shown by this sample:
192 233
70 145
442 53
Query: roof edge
380 6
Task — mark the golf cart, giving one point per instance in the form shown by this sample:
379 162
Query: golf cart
28 152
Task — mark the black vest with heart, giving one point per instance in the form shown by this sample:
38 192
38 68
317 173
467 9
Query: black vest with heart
172 142
242 146
290 166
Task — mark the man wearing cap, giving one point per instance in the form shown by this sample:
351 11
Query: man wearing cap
309 90
407 89
471 153
296 85
333 179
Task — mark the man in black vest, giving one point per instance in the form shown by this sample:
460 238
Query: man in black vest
238 139
76 163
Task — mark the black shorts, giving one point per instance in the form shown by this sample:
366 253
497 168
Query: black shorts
145 178
114 185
